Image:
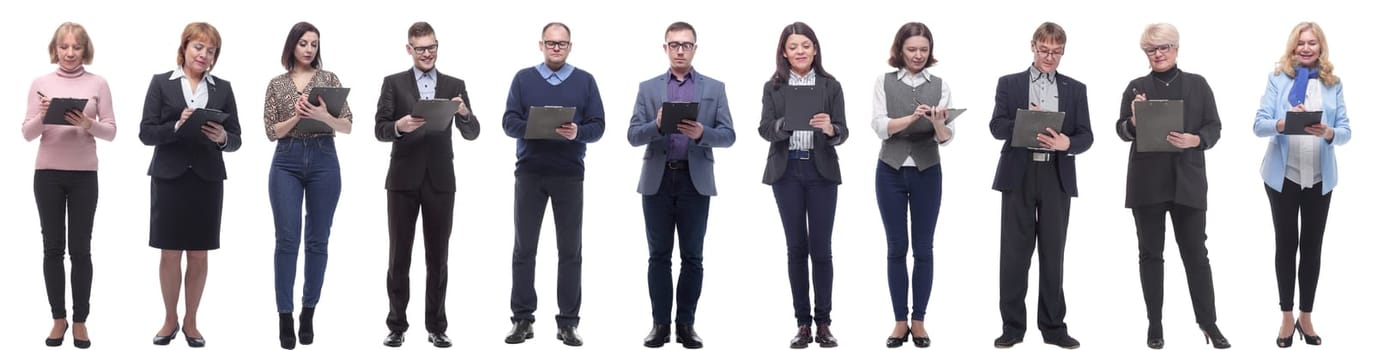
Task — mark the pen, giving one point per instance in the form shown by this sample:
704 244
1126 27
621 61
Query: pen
40 94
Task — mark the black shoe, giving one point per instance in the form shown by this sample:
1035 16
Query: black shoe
1007 340
394 339
686 335
825 338
166 339
307 326
1063 341
55 342
657 336
193 341
81 344
286 330
440 340
569 336
1155 337
896 342
802 338
1214 337
519 332
1311 339
921 342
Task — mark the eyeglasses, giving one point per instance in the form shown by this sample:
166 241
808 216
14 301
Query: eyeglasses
425 49
556 44
1047 53
1164 49
681 45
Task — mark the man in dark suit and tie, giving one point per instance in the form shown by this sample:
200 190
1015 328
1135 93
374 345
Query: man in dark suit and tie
1037 185
678 179
420 180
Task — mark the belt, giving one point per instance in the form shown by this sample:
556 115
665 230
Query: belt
1041 156
798 155
676 164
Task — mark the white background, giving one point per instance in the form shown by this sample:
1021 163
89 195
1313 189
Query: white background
746 302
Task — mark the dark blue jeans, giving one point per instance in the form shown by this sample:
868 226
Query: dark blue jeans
676 207
920 192
806 203
303 170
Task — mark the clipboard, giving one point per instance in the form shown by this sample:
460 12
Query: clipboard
334 98
676 112
1298 121
1029 124
191 127
58 107
799 105
544 121
924 126
437 114
1154 119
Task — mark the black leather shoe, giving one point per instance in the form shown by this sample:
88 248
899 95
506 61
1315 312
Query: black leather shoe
81 344
55 342
1214 337
569 336
520 331
166 339
440 340
825 338
1063 341
657 336
802 338
395 339
896 342
686 335
307 326
1155 339
921 342
1006 341
286 330
1311 339
193 341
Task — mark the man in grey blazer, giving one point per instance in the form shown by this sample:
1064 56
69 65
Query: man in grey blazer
678 179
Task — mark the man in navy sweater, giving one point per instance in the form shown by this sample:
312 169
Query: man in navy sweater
550 169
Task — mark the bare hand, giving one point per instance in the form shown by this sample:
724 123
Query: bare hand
1322 130
568 130
923 111
214 132
185 115
79 119
938 115
659 122
1138 98
691 129
306 110
462 106
409 123
1299 108
1034 106
43 103
1282 124
1054 140
822 121
1183 140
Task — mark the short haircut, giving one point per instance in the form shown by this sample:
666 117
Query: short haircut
555 24
908 30
676 27
288 53
1050 32
1159 34
87 56
199 31
420 29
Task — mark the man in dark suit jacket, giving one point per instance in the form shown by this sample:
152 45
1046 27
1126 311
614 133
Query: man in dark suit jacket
678 179
420 179
1037 185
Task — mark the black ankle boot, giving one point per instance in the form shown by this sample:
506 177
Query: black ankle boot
307 326
287 330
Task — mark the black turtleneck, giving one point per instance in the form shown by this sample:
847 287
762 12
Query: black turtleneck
1166 84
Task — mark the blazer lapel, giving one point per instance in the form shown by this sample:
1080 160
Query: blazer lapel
1065 92
171 89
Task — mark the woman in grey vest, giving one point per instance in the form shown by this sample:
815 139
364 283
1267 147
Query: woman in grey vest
909 115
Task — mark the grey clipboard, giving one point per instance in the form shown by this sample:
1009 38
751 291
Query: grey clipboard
544 121
1029 124
923 125
334 99
191 127
1154 119
676 112
1298 121
437 114
800 104
58 107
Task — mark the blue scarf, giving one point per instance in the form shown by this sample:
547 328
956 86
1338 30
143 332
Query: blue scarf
1298 94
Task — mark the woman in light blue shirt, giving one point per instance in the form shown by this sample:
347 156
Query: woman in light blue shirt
1299 168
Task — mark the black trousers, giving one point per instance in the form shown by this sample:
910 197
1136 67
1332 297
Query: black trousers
532 194
1313 208
402 207
66 212
1038 212
676 211
1189 229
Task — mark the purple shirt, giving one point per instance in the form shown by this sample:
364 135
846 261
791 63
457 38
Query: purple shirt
680 91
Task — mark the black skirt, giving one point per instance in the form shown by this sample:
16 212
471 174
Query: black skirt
186 213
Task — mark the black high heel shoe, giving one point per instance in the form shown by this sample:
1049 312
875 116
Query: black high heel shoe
920 342
55 342
1213 337
1286 342
166 339
194 341
895 342
81 343
1155 339
286 330
307 326
1311 339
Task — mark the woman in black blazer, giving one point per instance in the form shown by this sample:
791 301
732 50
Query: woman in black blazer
187 172
1171 182
803 170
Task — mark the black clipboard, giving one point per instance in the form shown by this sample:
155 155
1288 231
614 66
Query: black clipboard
1154 120
1029 124
191 127
544 121
437 114
1298 121
676 112
799 105
58 107
334 98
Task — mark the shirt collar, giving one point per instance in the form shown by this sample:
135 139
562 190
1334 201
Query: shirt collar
562 73
1035 75
903 73
420 74
178 74
691 75
810 75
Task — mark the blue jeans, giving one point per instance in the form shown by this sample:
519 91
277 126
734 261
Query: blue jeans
303 170
919 192
677 207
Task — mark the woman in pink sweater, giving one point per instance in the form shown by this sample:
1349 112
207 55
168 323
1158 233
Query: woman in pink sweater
64 180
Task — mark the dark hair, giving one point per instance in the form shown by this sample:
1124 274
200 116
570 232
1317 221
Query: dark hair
680 26
288 53
1049 32
552 24
907 31
780 76
420 29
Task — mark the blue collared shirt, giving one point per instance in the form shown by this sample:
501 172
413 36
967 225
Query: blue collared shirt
680 91
552 77
426 81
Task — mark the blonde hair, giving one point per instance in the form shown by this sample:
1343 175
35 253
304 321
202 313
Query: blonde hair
1159 34
88 51
1287 64
198 31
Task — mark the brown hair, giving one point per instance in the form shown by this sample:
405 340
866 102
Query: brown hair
87 55
908 30
199 31
1050 32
